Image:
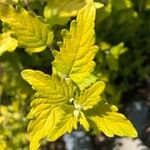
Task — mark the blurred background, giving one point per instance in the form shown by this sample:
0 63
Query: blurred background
123 62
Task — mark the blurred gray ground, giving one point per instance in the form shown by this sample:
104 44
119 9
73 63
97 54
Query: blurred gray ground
136 111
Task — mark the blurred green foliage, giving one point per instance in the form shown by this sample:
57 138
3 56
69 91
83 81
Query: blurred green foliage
123 34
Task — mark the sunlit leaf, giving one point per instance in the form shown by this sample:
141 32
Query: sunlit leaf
45 112
105 118
66 124
77 51
91 96
49 89
41 125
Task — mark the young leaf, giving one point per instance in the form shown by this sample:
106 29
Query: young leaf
117 50
105 118
91 96
31 33
7 43
75 59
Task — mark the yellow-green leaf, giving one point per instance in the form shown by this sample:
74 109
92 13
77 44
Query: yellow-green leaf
105 118
49 89
31 33
7 43
43 123
66 123
77 51
51 93
117 50
91 96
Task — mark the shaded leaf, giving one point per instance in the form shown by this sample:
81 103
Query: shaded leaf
7 43
57 12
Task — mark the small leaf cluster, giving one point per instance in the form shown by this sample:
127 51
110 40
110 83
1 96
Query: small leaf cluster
24 29
71 95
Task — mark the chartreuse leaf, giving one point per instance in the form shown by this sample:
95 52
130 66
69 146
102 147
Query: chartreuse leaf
53 89
91 96
31 33
47 116
7 43
51 93
66 123
105 118
77 51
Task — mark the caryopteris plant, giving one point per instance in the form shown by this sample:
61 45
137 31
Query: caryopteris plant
71 96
